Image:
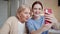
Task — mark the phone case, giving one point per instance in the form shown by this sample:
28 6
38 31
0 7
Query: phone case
47 11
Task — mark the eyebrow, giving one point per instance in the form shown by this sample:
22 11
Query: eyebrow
37 8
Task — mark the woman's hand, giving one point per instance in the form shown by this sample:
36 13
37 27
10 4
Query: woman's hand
46 27
51 18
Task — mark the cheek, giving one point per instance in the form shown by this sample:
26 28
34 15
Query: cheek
41 12
37 12
24 16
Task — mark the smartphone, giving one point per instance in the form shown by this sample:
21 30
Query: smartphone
47 11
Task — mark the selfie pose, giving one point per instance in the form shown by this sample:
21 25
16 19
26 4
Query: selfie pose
37 25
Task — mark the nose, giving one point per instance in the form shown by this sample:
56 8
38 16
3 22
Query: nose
37 12
28 16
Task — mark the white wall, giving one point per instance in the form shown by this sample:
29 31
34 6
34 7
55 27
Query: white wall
13 7
8 9
3 12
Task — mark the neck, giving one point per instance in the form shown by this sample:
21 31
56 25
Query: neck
36 18
22 21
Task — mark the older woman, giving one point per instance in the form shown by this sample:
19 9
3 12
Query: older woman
16 24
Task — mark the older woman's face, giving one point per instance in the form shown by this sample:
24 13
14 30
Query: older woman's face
24 15
37 10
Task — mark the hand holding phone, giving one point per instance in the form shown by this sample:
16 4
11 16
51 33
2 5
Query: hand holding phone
47 11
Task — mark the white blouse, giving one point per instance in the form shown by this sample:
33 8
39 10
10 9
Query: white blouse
21 27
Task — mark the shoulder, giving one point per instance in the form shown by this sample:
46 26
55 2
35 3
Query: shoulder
42 17
30 21
11 19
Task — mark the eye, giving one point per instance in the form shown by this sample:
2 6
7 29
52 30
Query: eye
35 8
26 12
39 8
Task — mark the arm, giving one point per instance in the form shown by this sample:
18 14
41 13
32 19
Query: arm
53 20
45 27
56 24
40 30
6 27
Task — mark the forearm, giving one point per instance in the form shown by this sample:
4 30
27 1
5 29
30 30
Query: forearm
39 31
56 26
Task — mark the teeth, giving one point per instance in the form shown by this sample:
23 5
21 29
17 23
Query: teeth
41 14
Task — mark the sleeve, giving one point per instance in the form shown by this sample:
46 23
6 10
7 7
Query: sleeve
56 24
6 27
30 26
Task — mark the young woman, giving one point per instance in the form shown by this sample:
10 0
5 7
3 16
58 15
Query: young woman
16 24
36 24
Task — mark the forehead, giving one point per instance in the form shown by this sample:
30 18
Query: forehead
37 6
26 10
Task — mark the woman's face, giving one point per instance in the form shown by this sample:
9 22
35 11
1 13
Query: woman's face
37 10
25 14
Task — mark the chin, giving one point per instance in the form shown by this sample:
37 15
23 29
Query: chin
25 20
36 15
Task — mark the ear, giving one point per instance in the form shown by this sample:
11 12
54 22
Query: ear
18 15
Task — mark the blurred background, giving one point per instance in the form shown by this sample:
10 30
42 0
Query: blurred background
8 8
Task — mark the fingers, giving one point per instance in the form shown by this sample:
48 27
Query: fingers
46 27
49 17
